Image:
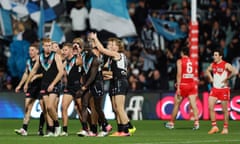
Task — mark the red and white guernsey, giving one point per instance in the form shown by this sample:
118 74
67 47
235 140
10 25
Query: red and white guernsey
188 70
219 74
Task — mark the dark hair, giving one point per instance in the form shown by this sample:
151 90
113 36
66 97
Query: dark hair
35 45
185 51
219 51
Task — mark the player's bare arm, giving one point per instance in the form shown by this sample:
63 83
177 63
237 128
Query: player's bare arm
100 47
31 74
23 80
232 72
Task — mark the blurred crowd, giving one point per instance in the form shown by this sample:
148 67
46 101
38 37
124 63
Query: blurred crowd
152 59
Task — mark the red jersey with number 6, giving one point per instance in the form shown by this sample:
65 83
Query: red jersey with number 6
188 70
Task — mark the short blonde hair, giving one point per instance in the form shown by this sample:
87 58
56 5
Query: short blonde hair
46 40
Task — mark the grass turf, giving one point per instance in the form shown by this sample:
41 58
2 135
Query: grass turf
148 132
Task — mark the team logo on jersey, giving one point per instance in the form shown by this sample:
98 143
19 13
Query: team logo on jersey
70 64
46 61
87 64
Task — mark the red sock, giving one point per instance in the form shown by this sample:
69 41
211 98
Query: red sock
214 123
225 125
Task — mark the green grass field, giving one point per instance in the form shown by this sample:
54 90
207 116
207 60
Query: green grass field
148 132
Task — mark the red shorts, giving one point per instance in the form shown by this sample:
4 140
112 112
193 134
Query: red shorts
187 89
221 94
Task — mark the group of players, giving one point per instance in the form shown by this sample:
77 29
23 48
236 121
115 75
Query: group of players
219 73
81 67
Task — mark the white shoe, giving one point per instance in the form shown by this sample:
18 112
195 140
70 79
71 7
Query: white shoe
21 131
169 125
82 133
64 133
196 127
49 134
57 131
102 134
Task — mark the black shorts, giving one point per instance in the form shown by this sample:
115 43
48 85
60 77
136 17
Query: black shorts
44 87
97 89
71 90
33 92
118 87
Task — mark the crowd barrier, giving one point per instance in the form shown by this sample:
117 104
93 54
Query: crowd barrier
156 105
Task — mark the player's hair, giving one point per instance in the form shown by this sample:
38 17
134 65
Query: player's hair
219 51
79 41
119 43
46 40
35 45
69 45
185 51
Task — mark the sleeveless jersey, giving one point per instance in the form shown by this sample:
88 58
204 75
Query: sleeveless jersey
87 65
119 67
30 64
219 74
188 70
49 67
73 72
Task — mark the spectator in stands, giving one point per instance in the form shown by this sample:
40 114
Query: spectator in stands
161 66
140 16
149 36
79 16
156 81
5 80
217 33
236 80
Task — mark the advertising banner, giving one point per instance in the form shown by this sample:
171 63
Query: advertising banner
155 105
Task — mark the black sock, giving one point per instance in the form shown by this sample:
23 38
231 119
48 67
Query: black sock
104 126
93 128
120 127
125 128
56 123
25 127
84 126
65 128
51 129
130 125
41 122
